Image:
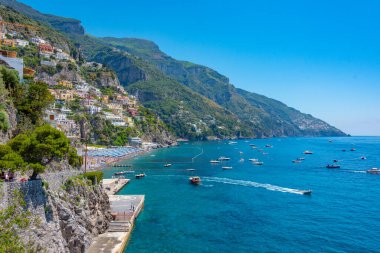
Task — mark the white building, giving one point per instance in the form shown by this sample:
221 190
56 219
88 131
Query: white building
37 40
21 43
115 119
62 56
92 109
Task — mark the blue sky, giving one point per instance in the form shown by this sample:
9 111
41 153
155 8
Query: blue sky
321 57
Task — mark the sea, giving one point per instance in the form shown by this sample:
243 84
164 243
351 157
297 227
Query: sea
258 208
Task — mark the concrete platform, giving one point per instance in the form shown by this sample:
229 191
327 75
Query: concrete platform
125 209
112 186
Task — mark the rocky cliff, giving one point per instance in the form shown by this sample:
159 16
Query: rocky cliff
65 219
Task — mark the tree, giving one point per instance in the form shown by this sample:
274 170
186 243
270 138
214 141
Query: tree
10 160
44 145
37 99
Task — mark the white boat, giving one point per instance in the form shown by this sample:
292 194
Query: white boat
240 152
241 160
190 169
227 168
253 159
296 161
138 176
307 152
259 163
232 142
222 158
214 161
168 165
374 171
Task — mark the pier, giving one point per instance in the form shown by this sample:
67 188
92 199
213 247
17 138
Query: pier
124 209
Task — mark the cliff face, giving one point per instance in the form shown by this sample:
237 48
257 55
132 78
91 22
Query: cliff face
63 219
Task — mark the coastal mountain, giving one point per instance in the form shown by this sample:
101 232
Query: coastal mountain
193 100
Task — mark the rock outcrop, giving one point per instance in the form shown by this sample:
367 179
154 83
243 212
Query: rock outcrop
64 220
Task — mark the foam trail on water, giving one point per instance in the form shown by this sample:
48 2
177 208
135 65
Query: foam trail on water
252 184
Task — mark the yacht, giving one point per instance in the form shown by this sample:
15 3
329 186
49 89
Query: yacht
374 171
168 165
307 152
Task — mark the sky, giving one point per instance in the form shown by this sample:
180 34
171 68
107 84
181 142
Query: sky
320 57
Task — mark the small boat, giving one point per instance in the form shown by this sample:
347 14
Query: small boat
253 159
195 180
374 171
232 142
330 141
300 159
353 149
252 145
335 161
241 160
227 168
259 163
141 175
363 158
296 161
332 166
265 153
222 158
123 172
307 192
214 161
190 169
240 152
268 146
307 152
168 165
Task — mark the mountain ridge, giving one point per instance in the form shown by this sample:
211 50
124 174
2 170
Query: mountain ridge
143 68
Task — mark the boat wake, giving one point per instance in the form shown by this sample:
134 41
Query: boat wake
252 184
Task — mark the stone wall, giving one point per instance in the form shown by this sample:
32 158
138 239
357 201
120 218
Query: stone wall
57 179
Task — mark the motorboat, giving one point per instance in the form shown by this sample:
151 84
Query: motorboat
363 158
332 166
301 158
307 192
227 168
222 158
253 159
232 142
296 161
139 176
335 161
259 163
307 152
241 160
195 180
374 171
168 165
353 149
214 161
123 172
190 169
268 146
252 145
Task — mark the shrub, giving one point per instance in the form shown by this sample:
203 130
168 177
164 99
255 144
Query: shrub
94 176
4 122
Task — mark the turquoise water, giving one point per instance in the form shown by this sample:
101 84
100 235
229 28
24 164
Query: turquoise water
258 208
